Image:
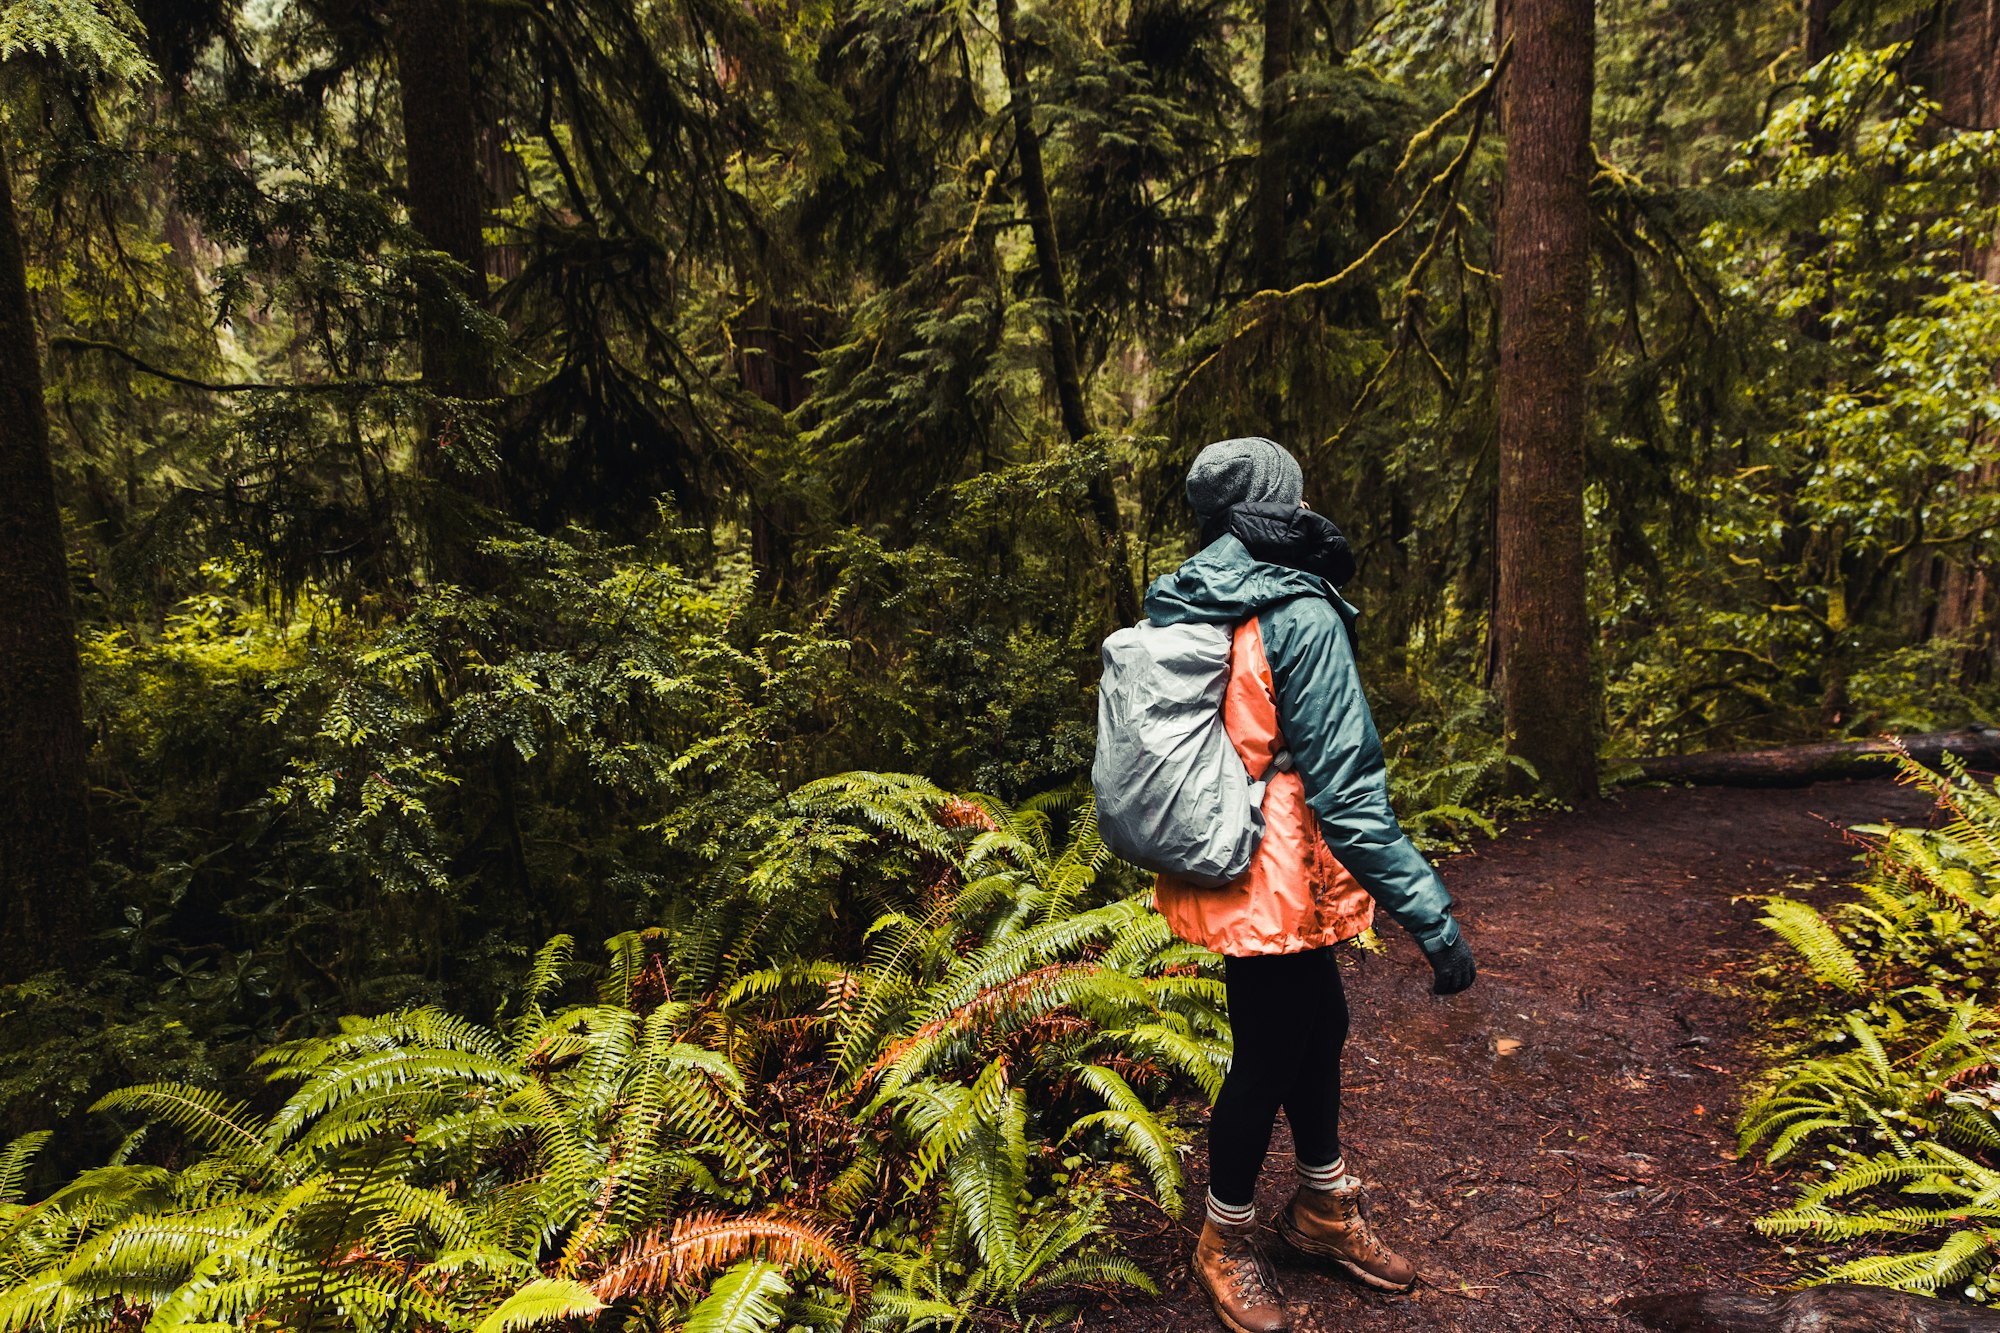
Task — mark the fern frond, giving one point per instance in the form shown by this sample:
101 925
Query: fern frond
1801 926
998 1008
206 1117
1099 1272
543 1301
15 1160
550 969
946 1115
1127 1116
899 804
1927 1272
627 955
1203 1060
749 1298
705 1242
986 1176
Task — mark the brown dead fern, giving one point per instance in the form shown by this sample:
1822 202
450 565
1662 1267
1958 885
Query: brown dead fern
703 1243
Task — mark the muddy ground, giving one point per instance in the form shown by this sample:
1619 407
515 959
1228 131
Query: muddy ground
1562 1134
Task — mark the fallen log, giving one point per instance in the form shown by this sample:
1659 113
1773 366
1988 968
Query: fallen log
1822 761
1842 1308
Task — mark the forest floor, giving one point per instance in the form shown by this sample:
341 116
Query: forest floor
1562 1134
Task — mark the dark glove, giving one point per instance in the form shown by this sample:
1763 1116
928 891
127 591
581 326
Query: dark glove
1454 967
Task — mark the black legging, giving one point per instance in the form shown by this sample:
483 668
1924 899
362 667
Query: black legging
1289 1017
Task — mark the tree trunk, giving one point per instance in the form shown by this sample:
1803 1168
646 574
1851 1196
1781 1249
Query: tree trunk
1959 63
1063 357
441 147
1817 42
45 904
1546 677
1817 39
432 40
1267 230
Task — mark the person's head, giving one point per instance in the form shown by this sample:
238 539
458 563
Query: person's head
1247 470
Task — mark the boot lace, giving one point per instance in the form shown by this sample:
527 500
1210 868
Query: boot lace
1365 1239
1250 1273
1350 1217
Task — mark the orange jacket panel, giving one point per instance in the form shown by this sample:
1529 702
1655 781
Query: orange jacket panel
1295 896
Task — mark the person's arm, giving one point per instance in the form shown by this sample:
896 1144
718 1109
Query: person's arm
1332 739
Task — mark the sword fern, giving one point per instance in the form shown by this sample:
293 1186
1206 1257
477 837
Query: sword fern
1898 1093
717 1128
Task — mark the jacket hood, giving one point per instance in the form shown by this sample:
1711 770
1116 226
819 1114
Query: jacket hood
1223 583
1288 534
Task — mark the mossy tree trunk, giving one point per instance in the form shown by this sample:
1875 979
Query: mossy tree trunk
1065 364
1267 230
45 901
1546 672
1959 61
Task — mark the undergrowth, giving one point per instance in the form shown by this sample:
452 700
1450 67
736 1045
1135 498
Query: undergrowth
1894 1101
715 1128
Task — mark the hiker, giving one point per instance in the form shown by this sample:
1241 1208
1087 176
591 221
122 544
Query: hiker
1331 852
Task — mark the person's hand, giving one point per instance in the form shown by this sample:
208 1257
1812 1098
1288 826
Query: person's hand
1452 963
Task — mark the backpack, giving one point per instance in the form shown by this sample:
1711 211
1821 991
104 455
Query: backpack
1172 793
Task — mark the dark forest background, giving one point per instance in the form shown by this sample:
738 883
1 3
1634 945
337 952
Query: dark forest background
502 450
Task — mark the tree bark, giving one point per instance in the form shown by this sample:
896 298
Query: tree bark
1820 761
447 203
1547 683
1267 229
1958 61
1063 359
1817 39
45 901
1817 43
441 149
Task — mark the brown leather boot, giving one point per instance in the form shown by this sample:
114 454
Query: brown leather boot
1328 1224
1232 1269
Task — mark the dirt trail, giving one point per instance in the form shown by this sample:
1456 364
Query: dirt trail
1561 1134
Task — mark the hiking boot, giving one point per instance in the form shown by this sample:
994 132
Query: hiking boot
1328 1224
1232 1269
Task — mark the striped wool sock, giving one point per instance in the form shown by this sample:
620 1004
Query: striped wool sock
1230 1214
1332 1176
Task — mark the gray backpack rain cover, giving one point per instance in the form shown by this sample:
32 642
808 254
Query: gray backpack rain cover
1172 793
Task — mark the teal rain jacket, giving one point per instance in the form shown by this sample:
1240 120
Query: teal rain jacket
1308 634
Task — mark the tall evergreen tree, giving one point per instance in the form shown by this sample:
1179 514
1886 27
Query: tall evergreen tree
433 52
1959 60
1546 666
1267 230
447 203
44 836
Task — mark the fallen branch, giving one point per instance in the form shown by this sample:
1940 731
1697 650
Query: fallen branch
1822 761
65 342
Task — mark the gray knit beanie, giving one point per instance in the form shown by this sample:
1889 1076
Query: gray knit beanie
1249 470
